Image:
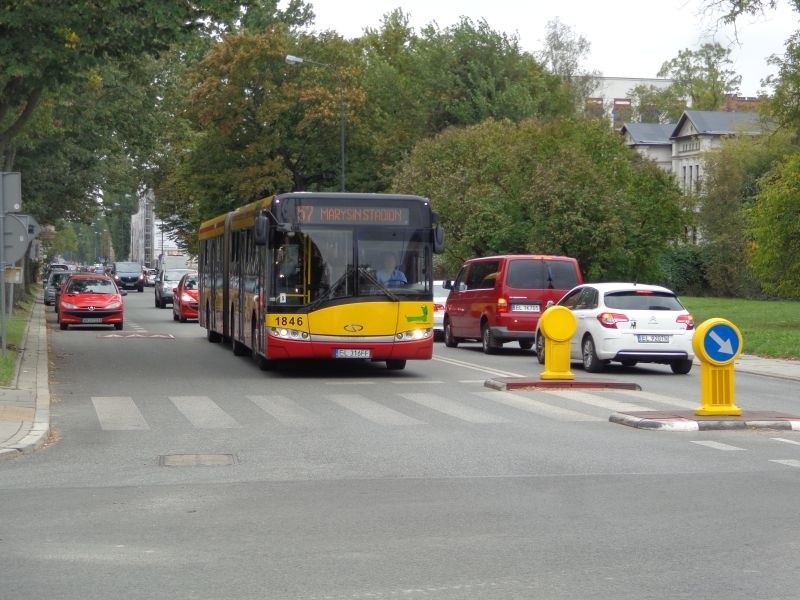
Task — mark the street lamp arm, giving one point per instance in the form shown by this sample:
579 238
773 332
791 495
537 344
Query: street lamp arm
298 60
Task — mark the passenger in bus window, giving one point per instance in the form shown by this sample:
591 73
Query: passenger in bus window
390 275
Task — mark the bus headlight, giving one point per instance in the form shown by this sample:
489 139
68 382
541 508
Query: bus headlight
288 334
414 334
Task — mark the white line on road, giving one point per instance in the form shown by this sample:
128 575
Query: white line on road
285 411
599 401
785 441
789 463
203 413
118 413
717 445
454 409
477 367
372 411
537 407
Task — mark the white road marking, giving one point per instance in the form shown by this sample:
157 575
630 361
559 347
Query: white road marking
669 401
454 409
789 463
785 441
595 400
477 367
537 407
716 445
285 411
203 413
118 413
372 411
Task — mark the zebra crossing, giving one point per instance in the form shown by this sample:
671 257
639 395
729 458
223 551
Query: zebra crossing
399 407
400 410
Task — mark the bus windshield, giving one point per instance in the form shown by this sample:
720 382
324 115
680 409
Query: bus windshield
318 265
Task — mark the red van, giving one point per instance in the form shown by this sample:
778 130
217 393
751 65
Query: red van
498 299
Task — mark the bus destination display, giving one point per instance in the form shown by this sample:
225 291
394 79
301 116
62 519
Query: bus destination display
352 215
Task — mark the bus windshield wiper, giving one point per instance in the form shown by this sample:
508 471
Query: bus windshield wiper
374 280
330 291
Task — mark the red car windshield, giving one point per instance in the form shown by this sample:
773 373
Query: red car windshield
92 286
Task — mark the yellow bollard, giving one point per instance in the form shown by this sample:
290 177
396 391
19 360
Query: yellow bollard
717 343
558 325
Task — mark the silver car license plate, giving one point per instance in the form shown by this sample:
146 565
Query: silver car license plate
525 308
652 339
353 353
92 321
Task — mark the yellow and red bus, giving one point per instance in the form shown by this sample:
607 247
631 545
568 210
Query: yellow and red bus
298 276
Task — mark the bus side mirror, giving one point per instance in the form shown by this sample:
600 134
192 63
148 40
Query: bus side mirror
438 239
261 230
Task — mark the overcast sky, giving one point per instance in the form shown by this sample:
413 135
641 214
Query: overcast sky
629 38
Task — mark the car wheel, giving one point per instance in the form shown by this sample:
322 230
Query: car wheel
118 326
681 367
174 316
490 346
182 319
141 289
63 326
540 349
449 340
591 364
155 301
395 365
525 344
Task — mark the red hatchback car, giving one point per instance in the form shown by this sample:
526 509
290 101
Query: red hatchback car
184 298
89 299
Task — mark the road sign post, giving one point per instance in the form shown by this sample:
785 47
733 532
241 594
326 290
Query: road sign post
717 343
558 324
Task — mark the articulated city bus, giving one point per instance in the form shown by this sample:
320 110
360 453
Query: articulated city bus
321 276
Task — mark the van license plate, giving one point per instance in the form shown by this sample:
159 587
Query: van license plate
653 339
91 321
525 308
353 353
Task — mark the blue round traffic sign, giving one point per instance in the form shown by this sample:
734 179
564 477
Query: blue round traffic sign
720 341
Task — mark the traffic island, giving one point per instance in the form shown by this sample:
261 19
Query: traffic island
687 420
522 383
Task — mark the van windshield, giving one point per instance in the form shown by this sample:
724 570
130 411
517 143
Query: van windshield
541 274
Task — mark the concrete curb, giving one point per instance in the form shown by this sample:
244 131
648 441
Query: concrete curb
678 423
32 376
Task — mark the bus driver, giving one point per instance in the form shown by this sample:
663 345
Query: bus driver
390 275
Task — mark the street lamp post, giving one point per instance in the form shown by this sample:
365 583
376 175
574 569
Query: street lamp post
296 60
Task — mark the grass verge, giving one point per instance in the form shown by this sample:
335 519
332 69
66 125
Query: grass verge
15 329
769 328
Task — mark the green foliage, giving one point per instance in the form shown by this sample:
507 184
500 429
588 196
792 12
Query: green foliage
562 186
776 230
683 269
732 175
654 105
703 75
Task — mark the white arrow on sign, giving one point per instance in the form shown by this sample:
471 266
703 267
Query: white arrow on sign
725 346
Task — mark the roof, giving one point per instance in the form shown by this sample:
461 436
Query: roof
649 133
711 122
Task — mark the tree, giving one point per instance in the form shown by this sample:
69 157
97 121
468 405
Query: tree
562 186
703 76
48 44
562 55
776 230
651 104
731 185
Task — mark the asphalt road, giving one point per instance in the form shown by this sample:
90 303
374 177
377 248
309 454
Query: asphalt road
181 471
